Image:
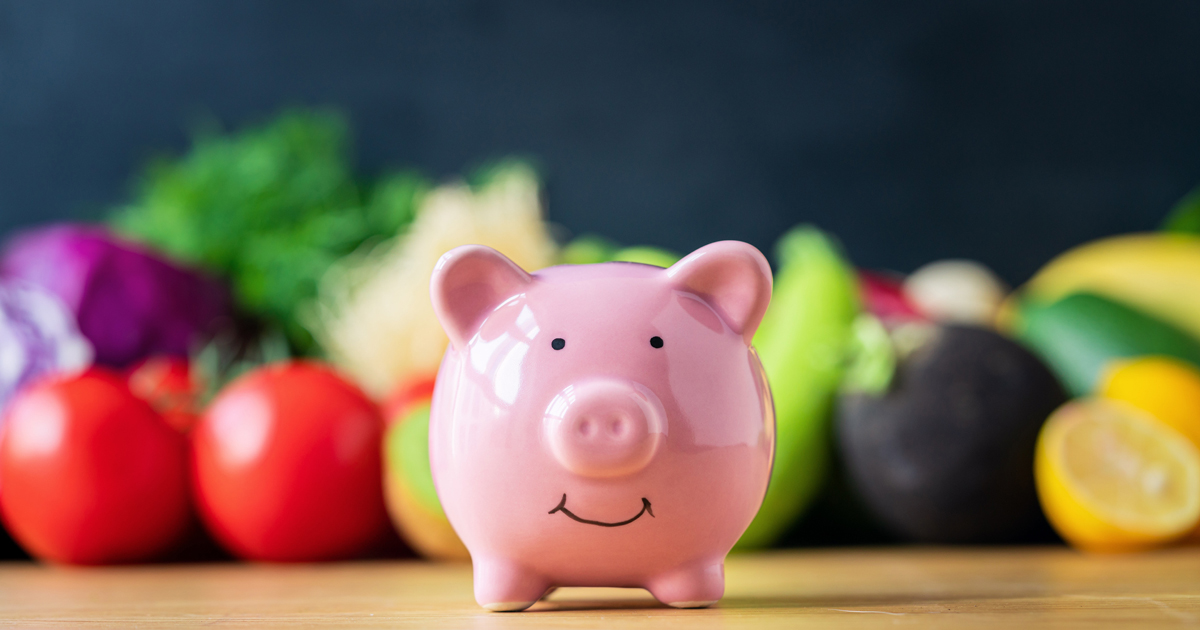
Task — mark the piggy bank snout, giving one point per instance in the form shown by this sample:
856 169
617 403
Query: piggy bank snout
605 427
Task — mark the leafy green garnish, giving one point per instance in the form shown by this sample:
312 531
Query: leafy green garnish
872 358
270 208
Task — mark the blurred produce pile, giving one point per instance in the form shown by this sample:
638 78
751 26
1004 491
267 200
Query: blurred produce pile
243 356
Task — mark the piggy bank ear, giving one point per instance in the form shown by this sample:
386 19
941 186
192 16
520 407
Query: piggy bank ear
733 277
468 283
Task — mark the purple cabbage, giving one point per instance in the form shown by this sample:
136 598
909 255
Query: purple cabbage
37 337
127 301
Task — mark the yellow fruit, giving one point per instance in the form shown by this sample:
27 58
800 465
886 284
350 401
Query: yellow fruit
1158 273
1164 387
1112 478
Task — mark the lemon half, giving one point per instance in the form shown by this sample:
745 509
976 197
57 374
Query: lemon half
1112 478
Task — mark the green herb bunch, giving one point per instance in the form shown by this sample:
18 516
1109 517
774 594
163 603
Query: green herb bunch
269 208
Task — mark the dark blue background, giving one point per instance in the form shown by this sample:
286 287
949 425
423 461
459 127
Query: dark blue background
1000 130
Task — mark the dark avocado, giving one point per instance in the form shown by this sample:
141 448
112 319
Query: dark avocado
946 454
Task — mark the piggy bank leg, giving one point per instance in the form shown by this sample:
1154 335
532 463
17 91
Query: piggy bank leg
694 586
505 586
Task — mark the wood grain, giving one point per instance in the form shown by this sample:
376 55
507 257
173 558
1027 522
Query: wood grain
895 587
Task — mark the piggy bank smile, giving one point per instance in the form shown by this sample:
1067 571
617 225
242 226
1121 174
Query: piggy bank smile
603 385
562 507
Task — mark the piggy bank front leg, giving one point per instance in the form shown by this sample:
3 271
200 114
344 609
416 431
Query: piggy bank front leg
694 586
502 585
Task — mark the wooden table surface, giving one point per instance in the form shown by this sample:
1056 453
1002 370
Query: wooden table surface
891 587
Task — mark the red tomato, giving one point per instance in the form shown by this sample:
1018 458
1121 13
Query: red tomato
287 466
91 474
166 383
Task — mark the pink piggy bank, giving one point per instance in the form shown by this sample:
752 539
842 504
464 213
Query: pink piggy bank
601 425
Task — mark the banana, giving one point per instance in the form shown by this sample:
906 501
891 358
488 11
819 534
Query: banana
1158 273
803 343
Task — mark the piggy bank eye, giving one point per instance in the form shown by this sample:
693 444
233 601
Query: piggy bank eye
656 342
559 343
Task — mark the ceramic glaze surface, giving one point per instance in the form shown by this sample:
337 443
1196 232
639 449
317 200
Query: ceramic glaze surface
601 425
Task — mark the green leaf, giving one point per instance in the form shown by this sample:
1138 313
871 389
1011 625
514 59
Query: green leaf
872 358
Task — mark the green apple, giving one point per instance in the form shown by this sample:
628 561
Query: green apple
408 483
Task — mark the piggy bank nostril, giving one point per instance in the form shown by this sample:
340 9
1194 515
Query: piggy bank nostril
605 427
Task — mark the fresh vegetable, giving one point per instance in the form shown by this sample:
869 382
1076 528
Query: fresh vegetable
1079 334
804 342
871 360
91 474
1158 274
883 296
167 384
1111 478
591 249
38 337
587 250
128 302
271 208
233 353
286 466
646 255
374 317
956 291
945 455
412 500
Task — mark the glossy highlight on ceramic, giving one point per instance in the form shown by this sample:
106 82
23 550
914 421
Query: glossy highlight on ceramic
601 425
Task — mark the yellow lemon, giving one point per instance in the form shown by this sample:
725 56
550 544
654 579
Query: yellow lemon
1166 388
1112 478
